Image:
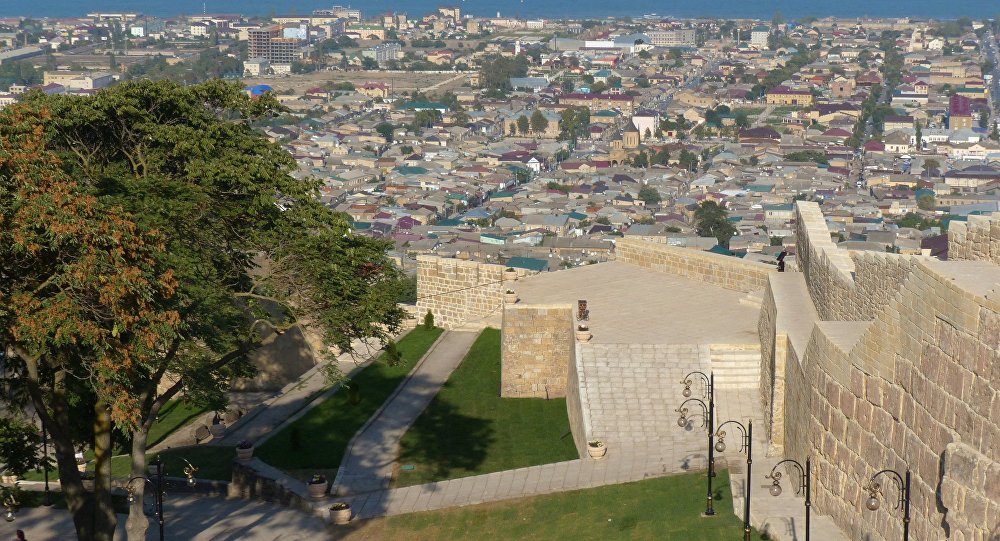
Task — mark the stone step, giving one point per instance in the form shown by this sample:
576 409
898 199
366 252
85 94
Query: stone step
753 299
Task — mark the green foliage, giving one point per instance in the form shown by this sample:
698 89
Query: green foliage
711 221
385 129
926 202
538 122
496 71
916 221
650 195
20 72
523 124
816 156
211 64
428 321
20 444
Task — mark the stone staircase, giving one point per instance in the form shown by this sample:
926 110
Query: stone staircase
736 366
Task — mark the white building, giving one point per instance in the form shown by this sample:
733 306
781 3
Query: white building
674 38
255 67
759 35
7 99
200 29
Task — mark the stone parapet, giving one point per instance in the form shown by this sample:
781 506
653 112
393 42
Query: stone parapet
975 240
720 270
458 291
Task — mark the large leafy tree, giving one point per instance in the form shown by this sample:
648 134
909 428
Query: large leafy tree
711 220
240 252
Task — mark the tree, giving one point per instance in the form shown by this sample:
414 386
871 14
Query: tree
742 119
641 160
926 202
931 163
538 122
566 85
649 195
523 124
175 244
386 130
711 221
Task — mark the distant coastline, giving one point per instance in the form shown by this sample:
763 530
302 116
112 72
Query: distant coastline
550 9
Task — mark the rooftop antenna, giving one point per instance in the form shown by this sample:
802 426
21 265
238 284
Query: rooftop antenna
204 8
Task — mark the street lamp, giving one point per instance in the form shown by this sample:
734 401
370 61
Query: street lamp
903 485
805 485
746 444
709 424
189 471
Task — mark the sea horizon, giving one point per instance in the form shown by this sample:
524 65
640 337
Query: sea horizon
790 9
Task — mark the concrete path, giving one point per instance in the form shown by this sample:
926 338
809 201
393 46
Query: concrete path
367 464
620 465
189 518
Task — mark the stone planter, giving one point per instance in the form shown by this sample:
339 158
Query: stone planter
81 467
510 298
244 455
597 450
8 479
509 275
340 514
317 490
583 335
217 429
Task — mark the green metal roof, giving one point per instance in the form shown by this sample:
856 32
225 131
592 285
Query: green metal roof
529 263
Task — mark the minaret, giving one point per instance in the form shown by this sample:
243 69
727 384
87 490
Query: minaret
517 47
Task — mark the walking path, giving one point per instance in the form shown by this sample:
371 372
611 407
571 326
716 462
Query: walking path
367 464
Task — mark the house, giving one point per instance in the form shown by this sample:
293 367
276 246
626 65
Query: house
959 112
897 142
782 95
374 90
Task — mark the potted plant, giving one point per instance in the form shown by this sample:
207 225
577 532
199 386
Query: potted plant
596 449
509 274
340 513
244 450
81 462
510 297
317 486
583 332
87 478
9 478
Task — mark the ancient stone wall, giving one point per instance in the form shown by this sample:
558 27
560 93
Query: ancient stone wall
916 386
975 240
578 422
844 285
723 271
537 341
457 291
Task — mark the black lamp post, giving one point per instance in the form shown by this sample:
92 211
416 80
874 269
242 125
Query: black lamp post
158 485
903 485
709 382
47 498
746 445
805 485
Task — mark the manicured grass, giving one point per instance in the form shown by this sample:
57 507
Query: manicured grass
665 508
173 415
319 438
213 462
469 430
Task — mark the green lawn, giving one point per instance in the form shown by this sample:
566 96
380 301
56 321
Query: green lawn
173 415
318 440
469 430
213 462
667 508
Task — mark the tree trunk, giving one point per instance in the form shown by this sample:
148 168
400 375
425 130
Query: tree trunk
103 512
137 523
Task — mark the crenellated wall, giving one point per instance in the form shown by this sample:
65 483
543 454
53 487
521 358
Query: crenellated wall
900 370
975 240
458 291
724 271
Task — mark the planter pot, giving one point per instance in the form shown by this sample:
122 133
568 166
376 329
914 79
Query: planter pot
317 490
583 336
244 454
88 484
217 430
597 453
8 479
340 516
81 467
509 276
510 298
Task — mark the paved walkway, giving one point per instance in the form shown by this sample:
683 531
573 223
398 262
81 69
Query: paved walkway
367 464
621 465
190 518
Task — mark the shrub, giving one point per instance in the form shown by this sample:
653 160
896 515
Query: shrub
429 320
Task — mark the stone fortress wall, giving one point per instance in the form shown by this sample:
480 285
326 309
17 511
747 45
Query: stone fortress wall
889 362
723 271
537 348
457 291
